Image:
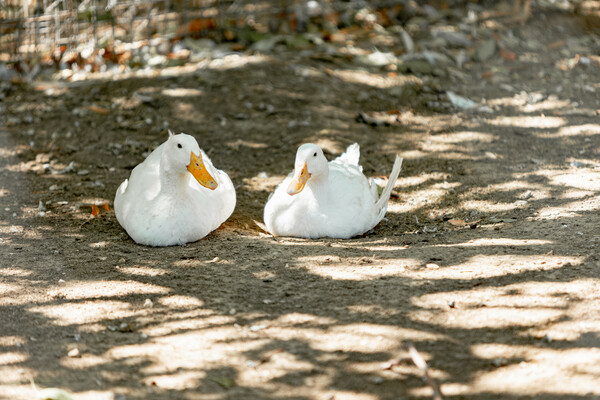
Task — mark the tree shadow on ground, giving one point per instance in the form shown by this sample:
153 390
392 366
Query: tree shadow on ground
243 315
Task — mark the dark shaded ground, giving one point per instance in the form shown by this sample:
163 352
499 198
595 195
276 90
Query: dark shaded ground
505 307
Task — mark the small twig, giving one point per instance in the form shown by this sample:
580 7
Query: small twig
422 365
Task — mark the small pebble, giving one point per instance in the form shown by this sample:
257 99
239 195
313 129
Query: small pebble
378 380
73 353
256 328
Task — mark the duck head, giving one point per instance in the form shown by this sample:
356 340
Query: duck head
182 153
310 164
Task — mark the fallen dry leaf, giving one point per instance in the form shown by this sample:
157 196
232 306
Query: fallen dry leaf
508 55
457 222
99 110
95 210
106 206
554 45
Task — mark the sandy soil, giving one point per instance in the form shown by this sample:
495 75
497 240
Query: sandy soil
488 259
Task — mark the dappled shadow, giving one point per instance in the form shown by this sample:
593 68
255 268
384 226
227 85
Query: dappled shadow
486 260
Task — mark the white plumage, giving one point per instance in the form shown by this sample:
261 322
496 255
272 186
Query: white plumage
321 199
174 196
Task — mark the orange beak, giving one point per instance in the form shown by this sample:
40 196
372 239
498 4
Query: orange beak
199 171
299 181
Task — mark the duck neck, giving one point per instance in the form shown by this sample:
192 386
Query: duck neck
172 180
318 186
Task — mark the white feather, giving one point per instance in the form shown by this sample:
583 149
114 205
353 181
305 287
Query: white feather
338 200
156 211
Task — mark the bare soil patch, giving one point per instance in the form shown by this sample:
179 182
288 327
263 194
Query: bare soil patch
487 260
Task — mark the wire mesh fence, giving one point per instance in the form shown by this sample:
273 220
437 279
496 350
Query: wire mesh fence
35 26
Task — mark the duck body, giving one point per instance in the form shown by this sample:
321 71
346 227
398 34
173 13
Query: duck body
335 200
174 196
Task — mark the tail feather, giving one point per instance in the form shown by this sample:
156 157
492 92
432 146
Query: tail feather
352 155
387 190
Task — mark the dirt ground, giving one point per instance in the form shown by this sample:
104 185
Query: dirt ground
488 259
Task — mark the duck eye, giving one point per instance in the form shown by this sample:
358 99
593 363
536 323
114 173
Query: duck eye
179 145
314 155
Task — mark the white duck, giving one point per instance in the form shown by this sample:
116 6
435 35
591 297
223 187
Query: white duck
175 195
332 199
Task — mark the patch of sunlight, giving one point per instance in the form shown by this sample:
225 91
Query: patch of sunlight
375 80
487 266
180 301
12 341
405 182
66 314
515 185
542 308
178 380
576 194
12 357
188 263
548 105
142 271
13 389
586 180
367 269
84 290
544 376
185 111
85 360
14 271
228 62
296 318
444 148
488 317
570 209
245 143
234 61
347 395
260 182
308 71
363 337
420 198
99 201
264 275
483 242
26 233
98 245
6 289
329 145
181 92
383 247
96 395
279 364
522 103
538 122
518 295
463 136
489 206
371 309
201 320
190 349
413 154
574 130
